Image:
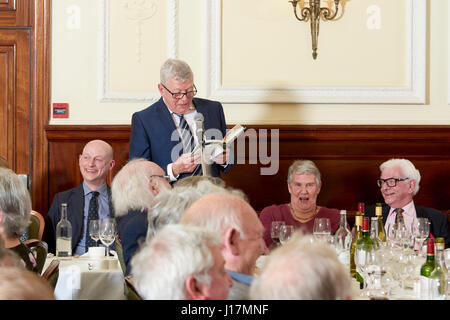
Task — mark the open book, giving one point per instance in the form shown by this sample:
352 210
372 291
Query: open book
215 147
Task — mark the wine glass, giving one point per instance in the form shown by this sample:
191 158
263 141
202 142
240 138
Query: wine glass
322 229
286 233
421 229
365 265
275 230
94 231
107 232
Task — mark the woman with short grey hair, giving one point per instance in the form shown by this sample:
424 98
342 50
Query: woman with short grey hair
15 210
304 183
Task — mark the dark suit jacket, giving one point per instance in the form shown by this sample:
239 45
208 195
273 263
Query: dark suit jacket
152 128
132 231
439 226
75 213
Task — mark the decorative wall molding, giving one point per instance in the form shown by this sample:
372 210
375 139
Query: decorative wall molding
413 93
104 93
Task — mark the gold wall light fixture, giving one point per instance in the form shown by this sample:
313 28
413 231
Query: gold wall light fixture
314 13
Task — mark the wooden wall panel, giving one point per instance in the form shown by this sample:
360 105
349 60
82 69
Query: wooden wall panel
347 156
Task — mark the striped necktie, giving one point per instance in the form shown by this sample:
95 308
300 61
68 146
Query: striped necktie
92 215
399 215
186 135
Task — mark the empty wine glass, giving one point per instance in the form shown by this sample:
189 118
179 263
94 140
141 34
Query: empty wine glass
286 233
94 231
107 232
275 230
421 229
322 229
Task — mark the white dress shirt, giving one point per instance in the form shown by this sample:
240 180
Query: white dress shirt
409 217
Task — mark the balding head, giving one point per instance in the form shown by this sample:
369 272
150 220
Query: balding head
95 163
135 186
237 224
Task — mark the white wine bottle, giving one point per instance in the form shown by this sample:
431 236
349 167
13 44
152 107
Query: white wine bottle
379 214
64 235
343 240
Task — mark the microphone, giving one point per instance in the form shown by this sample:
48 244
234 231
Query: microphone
198 118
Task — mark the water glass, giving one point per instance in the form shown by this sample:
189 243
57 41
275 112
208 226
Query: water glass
107 232
322 229
286 233
275 230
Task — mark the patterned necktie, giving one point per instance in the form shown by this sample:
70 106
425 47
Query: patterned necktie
92 215
186 135
398 215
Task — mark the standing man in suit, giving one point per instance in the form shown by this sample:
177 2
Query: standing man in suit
165 132
95 163
399 183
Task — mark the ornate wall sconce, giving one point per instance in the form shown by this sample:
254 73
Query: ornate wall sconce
314 13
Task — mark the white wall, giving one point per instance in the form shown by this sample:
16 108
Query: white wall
246 53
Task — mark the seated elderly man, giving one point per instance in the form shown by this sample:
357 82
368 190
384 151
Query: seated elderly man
302 270
15 211
304 184
399 183
181 263
241 233
133 191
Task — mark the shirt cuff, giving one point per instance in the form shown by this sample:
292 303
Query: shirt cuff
170 173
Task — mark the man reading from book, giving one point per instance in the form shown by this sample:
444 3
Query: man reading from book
167 132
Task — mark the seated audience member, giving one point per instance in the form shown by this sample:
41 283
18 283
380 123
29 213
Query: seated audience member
133 191
8 258
93 195
181 263
241 234
302 270
15 208
304 183
169 207
19 284
399 183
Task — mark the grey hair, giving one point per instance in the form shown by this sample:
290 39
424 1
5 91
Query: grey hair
407 168
15 204
9 258
174 68
169 206
162 266
302 270
129 188
302 167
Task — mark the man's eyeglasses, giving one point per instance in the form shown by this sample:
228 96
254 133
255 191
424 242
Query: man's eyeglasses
180 95
391 182
167 178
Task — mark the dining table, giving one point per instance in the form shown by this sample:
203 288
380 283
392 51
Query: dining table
86 278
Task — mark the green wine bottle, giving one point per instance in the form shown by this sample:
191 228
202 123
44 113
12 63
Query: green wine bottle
426 270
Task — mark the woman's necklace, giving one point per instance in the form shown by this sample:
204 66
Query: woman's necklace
303 219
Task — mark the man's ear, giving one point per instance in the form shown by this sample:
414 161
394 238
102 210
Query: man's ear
231 241
193 289
153 186
412 186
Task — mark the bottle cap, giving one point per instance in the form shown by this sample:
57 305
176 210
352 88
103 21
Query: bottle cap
430 247
365 226
343 212
361 207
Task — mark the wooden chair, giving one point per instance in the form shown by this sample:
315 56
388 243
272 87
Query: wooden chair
39 249
37 224
130 290
51 273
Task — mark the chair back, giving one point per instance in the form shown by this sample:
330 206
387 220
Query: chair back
130 290
36 227
51 273
39 249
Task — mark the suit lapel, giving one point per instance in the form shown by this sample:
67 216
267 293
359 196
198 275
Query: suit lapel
385 212
76 212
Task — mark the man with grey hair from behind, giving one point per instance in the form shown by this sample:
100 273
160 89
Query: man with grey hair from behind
399 183
302 270
241 232
181 263
133 191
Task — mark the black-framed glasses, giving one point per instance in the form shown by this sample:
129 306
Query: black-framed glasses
180 95
390 182
167 178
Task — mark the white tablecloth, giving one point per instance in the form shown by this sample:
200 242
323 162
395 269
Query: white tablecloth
104 281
